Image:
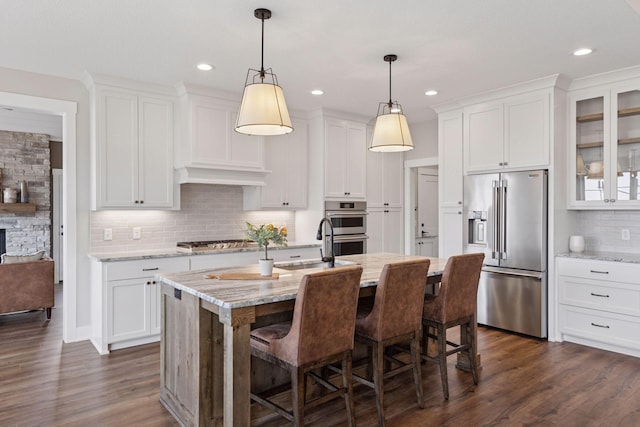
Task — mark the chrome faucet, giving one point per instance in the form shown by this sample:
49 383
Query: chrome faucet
330 259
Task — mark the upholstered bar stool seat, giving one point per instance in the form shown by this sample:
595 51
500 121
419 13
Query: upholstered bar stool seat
320 333
394 319
454 305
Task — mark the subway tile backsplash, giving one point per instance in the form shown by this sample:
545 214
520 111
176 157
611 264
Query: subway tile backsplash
208 212
603 230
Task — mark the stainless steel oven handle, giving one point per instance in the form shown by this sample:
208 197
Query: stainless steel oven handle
350 238
332 214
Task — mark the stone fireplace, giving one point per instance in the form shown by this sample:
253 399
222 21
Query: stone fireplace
26 156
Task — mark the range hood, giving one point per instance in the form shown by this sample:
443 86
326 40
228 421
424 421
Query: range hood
224 176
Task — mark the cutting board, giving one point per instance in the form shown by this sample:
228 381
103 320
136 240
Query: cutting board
241 276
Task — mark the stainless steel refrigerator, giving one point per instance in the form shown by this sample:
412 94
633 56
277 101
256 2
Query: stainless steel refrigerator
506 218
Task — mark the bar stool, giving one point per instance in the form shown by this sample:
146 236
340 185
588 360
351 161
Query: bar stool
394 319
454 305
320 333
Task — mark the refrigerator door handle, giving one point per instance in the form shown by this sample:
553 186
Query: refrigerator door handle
503 219
495 249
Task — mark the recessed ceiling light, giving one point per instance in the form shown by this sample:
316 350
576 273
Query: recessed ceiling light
205 67
431 92
316 92
582 52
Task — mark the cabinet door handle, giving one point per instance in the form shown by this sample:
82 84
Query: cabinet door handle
600 326
612 200
599 295
500 164
151 269
148 283
141 201
505 164
459 202
599 272
136 202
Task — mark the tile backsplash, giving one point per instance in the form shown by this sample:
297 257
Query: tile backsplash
602 230
208 212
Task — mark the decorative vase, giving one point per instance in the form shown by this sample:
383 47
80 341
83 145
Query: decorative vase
10 195
266 267
24 192
576 243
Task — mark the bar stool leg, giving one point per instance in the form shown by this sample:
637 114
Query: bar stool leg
378 379
442 356
347 382
297 386
417 372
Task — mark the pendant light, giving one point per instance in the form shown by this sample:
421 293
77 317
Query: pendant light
391 131
263 110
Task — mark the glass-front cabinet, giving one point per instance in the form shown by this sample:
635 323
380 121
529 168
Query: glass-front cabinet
605 150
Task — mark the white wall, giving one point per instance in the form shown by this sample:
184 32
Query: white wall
425 140
39 85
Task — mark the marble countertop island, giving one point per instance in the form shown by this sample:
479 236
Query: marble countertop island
206 370
231 294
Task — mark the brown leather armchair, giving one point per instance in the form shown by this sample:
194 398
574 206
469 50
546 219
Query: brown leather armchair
27 286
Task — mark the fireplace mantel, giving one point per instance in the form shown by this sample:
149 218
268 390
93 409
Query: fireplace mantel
24 208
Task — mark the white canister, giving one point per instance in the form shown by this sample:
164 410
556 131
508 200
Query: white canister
576 243
10 195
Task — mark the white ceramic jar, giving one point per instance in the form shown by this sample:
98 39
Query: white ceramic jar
576 243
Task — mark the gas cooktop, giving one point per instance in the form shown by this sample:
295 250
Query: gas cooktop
215 245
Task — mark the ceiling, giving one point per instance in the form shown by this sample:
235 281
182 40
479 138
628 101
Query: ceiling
459 48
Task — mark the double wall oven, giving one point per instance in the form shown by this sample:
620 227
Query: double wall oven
349 221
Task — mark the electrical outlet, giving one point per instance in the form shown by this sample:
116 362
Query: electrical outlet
626 235
136 233
107 234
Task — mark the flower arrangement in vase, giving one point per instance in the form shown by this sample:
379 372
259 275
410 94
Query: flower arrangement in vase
263 235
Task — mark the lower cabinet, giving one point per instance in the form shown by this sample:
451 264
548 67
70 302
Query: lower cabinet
599 304
384 228
450 235
126 306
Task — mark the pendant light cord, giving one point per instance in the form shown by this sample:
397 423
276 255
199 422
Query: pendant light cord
390 102
262 53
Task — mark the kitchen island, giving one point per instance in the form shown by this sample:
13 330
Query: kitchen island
205 351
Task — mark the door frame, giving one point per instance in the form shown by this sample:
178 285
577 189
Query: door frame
67 110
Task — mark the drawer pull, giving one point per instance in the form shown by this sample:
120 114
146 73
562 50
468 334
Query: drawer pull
599 295
599 272
599 326
295 256
151 269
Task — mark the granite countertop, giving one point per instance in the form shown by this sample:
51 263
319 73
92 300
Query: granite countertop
174 252
231 294
633 258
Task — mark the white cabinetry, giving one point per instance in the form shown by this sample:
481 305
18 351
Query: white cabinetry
286 185
600 304
133 134
511 133
385 174
605 146
126 302
211 151
345 160
385 230
450 136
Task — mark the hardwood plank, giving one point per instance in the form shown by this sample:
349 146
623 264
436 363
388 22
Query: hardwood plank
524 381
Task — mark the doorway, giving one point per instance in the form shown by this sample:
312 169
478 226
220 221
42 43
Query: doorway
411 178
67 110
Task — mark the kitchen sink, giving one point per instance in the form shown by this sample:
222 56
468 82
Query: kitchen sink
311 263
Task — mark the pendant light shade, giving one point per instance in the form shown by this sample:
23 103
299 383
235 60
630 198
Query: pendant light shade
391 131
263 110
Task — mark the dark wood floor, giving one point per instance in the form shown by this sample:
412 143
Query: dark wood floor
524 381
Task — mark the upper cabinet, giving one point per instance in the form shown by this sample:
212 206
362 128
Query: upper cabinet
132 142
345 160
510 133
605 146
286 185
211 152
385 175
